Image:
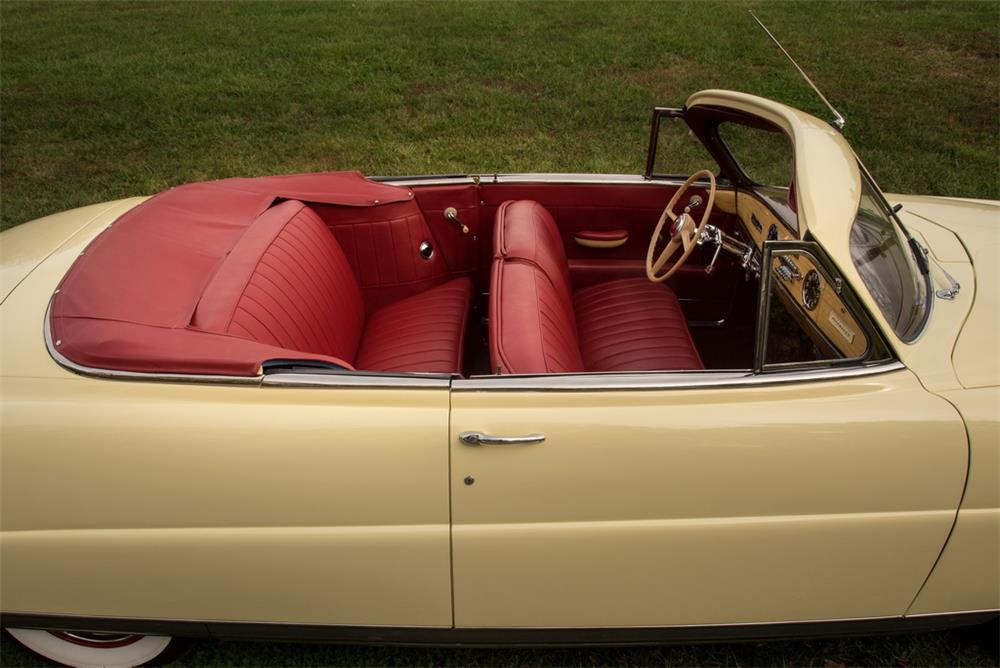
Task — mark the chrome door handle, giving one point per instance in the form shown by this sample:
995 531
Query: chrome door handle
479 438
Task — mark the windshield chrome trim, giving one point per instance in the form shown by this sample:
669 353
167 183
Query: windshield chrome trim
652 380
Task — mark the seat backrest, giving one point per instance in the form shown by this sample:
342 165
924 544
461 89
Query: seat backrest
286 283
532 323
525 230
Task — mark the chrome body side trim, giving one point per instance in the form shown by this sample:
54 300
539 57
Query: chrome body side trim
650 381
985 611
354 380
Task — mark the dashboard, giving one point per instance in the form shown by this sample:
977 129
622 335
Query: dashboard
802 285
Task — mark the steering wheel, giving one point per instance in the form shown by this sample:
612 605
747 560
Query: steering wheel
683 231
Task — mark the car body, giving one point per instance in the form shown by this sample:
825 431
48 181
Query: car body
854 491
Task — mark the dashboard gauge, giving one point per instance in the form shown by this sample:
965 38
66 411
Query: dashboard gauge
812 286
772 233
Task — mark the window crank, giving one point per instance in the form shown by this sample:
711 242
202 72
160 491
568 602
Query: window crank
713 235
715 256
451 213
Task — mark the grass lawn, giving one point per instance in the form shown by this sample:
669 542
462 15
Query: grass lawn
99 101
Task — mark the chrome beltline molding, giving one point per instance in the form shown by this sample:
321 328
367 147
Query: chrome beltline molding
661 381
355 380
582 382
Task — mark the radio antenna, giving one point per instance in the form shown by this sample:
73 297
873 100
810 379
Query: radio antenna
838 120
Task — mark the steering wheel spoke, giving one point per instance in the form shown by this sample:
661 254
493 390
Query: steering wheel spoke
662 259
685 238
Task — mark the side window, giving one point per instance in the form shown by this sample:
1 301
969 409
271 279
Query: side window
808 318
764 155
675 151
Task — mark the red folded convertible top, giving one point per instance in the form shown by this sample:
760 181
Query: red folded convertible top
127 303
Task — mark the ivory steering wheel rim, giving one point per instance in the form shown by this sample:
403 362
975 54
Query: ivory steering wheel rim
683 234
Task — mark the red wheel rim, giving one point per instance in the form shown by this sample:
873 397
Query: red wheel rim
98 640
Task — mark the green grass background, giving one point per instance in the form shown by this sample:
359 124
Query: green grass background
105 100
99 101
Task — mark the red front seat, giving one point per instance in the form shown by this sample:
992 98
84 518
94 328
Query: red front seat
538 325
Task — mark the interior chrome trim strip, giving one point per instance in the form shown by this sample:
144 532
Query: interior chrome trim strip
649 381
540 178
414 181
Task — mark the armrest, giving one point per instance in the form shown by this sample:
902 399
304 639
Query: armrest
601 238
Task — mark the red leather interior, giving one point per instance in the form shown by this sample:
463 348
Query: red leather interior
286 283
215 278
421 333
537 325
457 248
174 285
382 245
602 235
596 207
526 231
633 324
532 325
602 207
291 286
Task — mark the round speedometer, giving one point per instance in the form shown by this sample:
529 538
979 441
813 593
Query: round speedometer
812 286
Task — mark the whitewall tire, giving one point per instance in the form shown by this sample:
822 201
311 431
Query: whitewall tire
94 650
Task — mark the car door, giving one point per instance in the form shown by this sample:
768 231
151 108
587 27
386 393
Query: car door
658 500
316 498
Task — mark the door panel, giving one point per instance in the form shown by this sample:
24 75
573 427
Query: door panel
759 504
457 248
273 504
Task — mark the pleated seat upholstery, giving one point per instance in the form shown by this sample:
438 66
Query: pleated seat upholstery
538 325
287 283
420 333
633 325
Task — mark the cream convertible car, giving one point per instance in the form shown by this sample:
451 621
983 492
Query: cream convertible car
509 409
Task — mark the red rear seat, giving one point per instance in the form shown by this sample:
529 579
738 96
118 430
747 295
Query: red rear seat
537 324
287 283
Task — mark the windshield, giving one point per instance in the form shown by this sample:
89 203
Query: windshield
886 264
